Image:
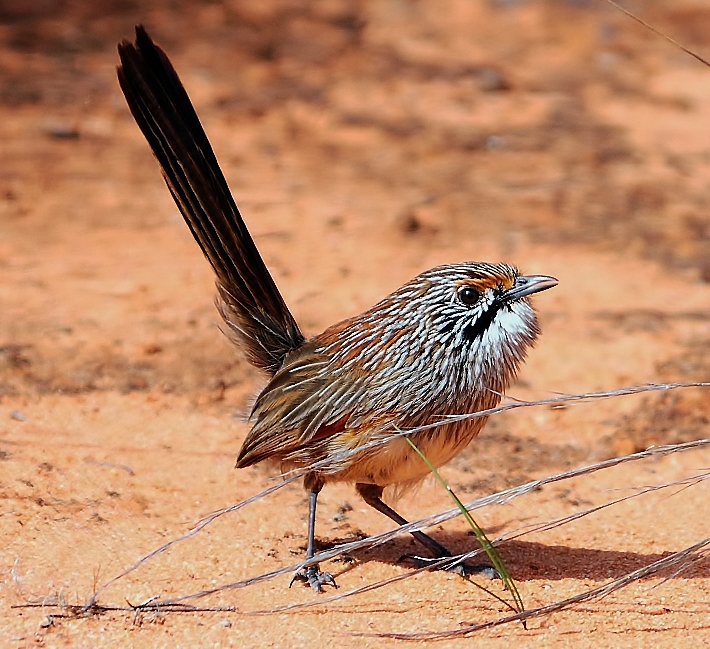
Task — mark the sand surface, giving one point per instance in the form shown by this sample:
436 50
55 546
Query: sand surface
364 142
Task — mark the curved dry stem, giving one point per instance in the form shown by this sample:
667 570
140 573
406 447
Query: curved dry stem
682 556
498 498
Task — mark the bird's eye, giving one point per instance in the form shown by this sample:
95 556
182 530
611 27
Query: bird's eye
468 295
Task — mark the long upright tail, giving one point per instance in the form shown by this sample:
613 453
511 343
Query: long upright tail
249 300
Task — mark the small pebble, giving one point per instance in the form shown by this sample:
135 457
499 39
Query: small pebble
492 80
61 130
47 622
495 142
16 414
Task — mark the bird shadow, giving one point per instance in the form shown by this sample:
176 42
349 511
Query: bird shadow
528 560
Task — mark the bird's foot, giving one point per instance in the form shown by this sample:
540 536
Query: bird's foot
462 568
316 579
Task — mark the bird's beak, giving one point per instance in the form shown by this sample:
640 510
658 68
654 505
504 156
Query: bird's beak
529 284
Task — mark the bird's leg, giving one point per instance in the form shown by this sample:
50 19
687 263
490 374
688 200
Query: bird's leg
372 495
312 574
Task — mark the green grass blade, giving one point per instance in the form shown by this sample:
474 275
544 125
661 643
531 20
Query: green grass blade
487 546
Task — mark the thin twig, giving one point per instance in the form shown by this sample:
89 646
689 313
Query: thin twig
498 498
592 594
509 536
658 32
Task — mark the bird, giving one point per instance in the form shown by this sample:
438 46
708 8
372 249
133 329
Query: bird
449 341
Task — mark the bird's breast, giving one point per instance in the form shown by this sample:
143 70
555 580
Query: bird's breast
394 461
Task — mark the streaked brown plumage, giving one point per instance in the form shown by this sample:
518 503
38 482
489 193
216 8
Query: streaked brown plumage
447 342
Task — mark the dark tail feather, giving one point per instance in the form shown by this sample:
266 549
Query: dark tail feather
249 301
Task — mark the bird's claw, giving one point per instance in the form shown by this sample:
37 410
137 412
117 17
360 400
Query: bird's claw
316 579
459 567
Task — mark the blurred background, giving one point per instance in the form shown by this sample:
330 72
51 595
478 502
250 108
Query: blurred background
536 120
364 141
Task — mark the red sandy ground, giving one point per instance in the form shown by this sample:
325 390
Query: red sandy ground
365 142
